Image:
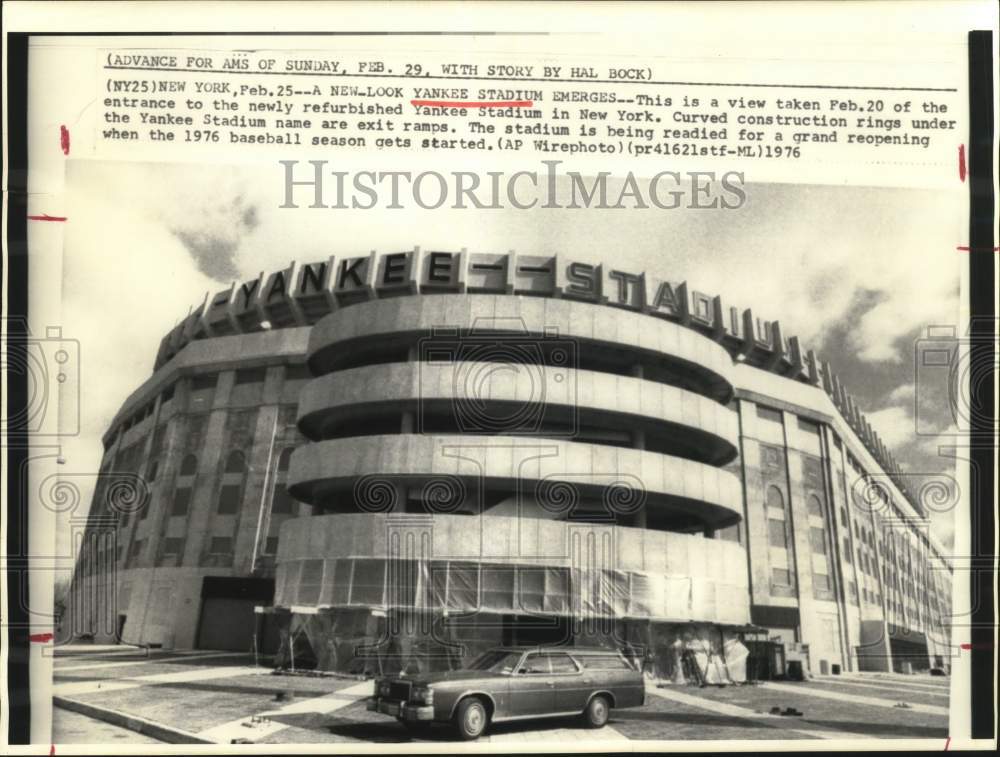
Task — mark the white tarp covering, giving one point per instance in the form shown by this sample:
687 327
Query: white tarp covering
464 586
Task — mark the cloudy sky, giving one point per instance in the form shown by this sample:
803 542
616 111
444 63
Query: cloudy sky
858 274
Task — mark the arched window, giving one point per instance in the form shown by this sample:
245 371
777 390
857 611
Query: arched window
236 462
815 506
189 465
284 459
775 499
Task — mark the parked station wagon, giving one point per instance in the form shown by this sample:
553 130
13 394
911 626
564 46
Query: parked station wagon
514 683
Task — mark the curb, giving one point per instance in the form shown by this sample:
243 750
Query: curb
134 723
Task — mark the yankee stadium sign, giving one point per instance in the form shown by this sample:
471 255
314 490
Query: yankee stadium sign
303 293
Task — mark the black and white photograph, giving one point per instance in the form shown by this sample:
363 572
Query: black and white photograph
504 384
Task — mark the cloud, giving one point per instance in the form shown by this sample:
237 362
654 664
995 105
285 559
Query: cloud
902 393
213 237
215 255
894 425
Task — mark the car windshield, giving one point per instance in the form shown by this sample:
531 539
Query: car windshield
496 661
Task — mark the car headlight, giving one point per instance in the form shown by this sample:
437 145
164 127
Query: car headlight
424 695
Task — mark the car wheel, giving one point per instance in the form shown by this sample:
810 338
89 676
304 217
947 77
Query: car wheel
597 712
471 718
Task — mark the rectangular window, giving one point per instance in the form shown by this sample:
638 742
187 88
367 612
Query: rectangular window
498 587
561 664
136 548
229 499
767 414
182 501
817 540
202 392
221 545
603 662
853 592
776 533
298 372
821 581
249 376
847 550
781 577
843 517
173 546
808 426
368 585
271 545
531 588
201 383
282 503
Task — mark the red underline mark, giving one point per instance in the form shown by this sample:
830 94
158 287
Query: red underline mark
962 248
984 645
40 638
46 217
947 743
64 139
961 162
52 750
473 103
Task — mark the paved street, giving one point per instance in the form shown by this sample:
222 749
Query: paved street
223 697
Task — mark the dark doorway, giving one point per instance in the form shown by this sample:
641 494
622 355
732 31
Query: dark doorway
909 656
120 629
536 630
228 621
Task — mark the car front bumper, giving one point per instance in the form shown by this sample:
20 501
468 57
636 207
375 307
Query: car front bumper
401 710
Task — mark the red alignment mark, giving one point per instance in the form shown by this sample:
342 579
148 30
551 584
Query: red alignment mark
961 162
962 248
473 103
46 217
52 750
984 645
40 638
947 743
64 139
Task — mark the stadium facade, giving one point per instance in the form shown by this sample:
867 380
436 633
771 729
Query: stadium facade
402 458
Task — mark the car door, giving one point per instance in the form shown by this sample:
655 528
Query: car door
531 689
569 691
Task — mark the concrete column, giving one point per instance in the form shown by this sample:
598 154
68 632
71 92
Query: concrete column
848 619
273 381
800 548
202 502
